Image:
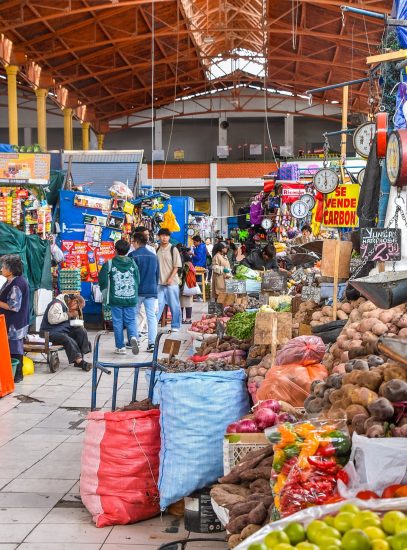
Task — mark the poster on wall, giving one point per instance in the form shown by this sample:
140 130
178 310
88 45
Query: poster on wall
80 255
104 253
341 205
25 168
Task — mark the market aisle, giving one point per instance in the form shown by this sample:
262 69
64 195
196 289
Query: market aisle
41 433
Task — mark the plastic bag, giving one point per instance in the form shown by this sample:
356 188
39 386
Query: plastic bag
119 467
303 350
120 189
196 408
169 221
291 383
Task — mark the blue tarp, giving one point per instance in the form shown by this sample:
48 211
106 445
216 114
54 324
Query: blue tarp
401 13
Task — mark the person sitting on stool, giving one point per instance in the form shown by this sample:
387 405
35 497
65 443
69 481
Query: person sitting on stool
56 321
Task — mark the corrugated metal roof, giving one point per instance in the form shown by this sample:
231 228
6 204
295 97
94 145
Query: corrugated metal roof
103 168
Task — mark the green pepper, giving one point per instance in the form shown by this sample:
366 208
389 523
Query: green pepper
340 441
278 460
274 437
292 450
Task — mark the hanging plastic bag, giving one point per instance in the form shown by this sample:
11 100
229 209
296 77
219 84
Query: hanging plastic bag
291 383
121 190
170 221
119 467
303 350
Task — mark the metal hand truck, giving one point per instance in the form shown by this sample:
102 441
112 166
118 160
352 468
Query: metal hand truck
104 368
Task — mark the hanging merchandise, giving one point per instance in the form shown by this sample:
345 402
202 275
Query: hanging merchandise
243 217
256 213
170 221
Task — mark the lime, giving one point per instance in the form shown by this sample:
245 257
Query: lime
352 508
343 521
307 546
380 544
284 546
374 533
275 537
401 526
257 546
398 542
325 542
329 520
314 528
356 539
390 520
295 532
365 519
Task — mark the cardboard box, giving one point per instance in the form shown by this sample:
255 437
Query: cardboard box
233 299
264 328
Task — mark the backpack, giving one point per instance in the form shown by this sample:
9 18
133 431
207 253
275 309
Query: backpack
180 269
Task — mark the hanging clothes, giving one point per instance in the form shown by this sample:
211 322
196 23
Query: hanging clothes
368 205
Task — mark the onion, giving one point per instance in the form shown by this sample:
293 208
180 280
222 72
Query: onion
231 429
286 417
265 418
272 404
246 426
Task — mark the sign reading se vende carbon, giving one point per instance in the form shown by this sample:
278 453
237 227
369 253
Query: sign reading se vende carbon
341 205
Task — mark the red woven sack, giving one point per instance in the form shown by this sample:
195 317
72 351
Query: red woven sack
119 468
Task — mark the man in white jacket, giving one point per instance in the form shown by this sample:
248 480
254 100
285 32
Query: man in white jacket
57 321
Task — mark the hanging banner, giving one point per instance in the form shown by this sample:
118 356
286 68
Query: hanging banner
341 205
24 168
291 192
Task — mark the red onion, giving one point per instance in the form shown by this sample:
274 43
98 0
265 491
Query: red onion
231 429
286 417
272 404
265 418
246 426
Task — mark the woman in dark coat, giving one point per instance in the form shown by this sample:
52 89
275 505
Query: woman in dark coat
14 305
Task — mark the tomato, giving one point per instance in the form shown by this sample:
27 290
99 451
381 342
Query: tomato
366 495
390 491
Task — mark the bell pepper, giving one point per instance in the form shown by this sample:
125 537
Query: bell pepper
292 450
326 449
309 448
278 460
367 495
304 429
343 476
339 440
287 436
323 464
390 491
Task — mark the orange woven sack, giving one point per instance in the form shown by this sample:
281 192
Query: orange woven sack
291 383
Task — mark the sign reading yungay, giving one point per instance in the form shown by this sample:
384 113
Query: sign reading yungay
341 206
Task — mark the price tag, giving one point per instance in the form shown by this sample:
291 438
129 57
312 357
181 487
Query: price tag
220 330
298 275
274 282
214 308
311 294
380 244
233 286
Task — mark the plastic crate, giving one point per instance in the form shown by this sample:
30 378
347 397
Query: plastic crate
237 446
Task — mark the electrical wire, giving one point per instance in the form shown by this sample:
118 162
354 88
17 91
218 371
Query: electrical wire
265 52
152 89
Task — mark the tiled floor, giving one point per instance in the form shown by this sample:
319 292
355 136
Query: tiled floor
41 431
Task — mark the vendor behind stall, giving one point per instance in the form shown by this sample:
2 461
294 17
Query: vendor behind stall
14 305
57 321
220 270
262 259
306 235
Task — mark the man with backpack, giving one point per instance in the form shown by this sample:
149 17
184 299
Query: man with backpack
169 261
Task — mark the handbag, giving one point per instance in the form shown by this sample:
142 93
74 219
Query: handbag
97 294
106 291
194 291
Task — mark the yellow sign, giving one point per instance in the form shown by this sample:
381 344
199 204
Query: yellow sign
341 205
20 168
179 154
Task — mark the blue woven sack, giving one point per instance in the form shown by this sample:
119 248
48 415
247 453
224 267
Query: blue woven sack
195 409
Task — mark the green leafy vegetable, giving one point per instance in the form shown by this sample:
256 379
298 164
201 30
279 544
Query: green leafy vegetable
241 325
244 273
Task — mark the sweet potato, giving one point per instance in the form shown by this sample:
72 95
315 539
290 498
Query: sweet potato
237 525
250 529
376 431
260 486
362 396
381 409
223 498
259 514
240 508
234 540
256 473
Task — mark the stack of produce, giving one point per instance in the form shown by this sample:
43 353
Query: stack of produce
308 460
246 493
304 314
227 349
281 304
253 303
368 394
177 365
257 374
241 325
207 325
244 273
229 311
266 414
349 529
325 315
366 324
256 354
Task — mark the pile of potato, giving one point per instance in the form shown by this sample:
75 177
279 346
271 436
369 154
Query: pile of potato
246 493
344 312
214 344
304 314
257 373
229 311
366 324
365 394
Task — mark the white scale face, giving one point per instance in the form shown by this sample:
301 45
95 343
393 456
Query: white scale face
309 200
361 175
363 138
299 209
393 158
266 224
326 181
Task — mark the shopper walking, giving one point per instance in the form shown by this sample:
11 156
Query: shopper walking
220 271
199 252
147 264
14 305
188 281
169 261
119 281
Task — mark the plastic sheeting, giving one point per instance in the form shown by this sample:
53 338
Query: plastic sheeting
35 254
196 408
401 13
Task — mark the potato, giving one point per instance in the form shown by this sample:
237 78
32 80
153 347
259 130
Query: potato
376 431
316 316
353 377
366 307
366 325
369 338
375 314
234 540
381 409
327 311
315 405
360 364
342 315
249 530
344 356
394 390
346 307
354 315
358 423
362 396
403 333
353 410
355 344
379 328
386 316
371 380
336 396
402 322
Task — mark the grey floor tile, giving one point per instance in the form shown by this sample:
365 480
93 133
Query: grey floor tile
22 515
68 533
15 532
56 546
69 515
29 500
48 486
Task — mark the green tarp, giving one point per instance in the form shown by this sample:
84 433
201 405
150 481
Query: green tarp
35 254
56 181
